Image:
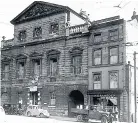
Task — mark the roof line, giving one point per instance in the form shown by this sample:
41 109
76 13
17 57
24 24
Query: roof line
51 4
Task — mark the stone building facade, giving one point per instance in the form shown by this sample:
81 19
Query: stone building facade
46 62
55 56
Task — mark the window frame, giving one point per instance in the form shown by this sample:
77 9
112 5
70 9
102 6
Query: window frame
52 31
25 35
3 77
74 52
74 67
33 60
110 55
34 33
52 97
96 33
17 68
94 57
110 37
53 54
94 73
113 71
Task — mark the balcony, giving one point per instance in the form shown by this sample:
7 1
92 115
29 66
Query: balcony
5 43
77 29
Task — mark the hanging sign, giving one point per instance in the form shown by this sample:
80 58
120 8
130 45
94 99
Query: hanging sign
33 88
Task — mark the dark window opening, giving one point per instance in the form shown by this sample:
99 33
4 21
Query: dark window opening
37 33
54 28
22 35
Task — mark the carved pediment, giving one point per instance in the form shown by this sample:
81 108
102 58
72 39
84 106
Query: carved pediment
21 56
35 55
36 10
6 59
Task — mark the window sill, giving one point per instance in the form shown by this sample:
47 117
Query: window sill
37 37
51 106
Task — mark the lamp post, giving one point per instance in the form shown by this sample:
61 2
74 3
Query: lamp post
135 91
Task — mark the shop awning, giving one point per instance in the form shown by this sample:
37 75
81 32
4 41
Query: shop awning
114 101
105 93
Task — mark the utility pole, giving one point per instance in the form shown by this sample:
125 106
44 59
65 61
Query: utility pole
135 91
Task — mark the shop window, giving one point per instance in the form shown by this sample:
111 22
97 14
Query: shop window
97 80
22 35
5 71
113 77
97 37
21 70
54 28
114 55
53 99
113 35
97 57
37 33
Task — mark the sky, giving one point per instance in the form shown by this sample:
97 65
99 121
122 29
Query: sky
97 9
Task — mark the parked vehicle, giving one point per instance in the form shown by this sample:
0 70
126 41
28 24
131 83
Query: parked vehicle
10 109
37 110
2 115
94 114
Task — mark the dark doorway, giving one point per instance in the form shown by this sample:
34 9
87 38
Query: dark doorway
76 99
34 97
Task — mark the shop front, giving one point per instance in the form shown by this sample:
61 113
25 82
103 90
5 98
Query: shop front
105 100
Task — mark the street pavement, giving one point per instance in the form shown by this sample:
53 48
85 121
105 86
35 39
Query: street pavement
25 119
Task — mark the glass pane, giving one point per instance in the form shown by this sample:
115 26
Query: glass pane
97 37
113 59
113 51
114 80
53 67
97 61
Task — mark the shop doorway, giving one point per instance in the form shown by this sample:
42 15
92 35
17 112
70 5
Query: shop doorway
76 99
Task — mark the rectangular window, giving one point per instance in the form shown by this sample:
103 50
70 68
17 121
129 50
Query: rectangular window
53 66
76 64
54 28
53 99
21 70
22 35
37 33
113 77
37 67
97 37
97 80
98 57
113 34
113 55
5 75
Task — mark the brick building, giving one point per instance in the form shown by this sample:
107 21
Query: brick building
59 59
107 65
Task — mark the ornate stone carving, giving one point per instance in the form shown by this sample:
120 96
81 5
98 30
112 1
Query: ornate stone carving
39 10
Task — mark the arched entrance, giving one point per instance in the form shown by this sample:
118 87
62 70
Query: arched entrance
76 98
